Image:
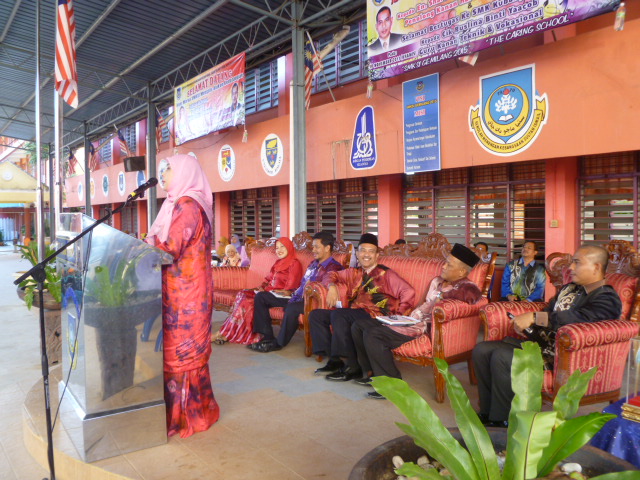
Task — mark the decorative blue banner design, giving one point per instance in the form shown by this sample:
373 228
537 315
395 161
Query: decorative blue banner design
421 111
364 153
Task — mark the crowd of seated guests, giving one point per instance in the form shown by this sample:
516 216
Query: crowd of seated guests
358 346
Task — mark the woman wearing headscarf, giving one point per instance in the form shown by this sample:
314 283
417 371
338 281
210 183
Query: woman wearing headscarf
183 229
222 245
235 241
284 278
231 257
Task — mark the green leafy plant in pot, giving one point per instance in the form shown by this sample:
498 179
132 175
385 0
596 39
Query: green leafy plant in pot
536 441
52 282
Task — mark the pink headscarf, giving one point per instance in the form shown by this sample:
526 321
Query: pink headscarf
188 181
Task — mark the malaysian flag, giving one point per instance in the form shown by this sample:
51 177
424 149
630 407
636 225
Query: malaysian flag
66 73
124 146
162 123
72 161
471 59
93 158
312 65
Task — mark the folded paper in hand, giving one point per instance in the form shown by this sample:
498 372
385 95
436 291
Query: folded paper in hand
398 320
279 295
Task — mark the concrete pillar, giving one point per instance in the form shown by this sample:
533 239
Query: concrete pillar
389 208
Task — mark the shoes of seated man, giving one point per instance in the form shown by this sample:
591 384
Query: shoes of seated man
265 346
364 381
376 396
332 366
345 374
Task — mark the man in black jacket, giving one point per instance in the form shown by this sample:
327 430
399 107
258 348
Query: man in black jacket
586 299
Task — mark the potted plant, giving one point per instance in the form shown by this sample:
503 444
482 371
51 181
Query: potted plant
535 441
52 295
52 284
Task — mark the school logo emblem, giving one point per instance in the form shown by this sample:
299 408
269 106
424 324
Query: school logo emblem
122 184
272 154
510 114
92 188
105 185
140 178
363 147
226 163
80 191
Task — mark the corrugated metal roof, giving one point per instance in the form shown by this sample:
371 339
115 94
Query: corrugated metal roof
125 45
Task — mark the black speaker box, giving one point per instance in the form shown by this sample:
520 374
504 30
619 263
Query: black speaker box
134 164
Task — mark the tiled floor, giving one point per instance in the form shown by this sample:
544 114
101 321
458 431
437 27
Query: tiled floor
278 420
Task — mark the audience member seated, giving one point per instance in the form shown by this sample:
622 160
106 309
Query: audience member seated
482 248
586 299
244 253
231 257
524 279
323 263
400 241
374 340
372 290
283 278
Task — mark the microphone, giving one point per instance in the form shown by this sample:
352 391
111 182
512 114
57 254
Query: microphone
139 192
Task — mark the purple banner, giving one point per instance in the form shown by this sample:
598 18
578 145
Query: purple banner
408 34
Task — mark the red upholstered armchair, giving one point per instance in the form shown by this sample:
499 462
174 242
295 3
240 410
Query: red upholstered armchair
584 345
455 324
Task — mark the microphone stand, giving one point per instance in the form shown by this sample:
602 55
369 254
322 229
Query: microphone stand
39 275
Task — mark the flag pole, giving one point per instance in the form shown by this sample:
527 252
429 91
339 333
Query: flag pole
313 47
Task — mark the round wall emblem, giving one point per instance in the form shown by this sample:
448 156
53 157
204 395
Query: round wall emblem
105 185
226 163
122 184
80 191
272 154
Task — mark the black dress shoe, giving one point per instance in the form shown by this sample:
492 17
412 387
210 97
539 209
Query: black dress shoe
332 366
345 374
265 346
375 396
365 381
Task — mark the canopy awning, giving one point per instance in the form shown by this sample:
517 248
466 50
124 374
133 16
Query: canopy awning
16 185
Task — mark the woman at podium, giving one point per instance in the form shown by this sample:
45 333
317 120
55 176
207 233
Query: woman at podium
183 229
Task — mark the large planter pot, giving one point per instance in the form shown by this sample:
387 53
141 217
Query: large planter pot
377 464
52 324
50 303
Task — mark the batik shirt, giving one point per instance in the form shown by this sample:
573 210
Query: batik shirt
524 281
381 291
315 273
574 304
463 289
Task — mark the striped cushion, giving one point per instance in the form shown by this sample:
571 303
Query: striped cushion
626 286
478 274
418 272
224 297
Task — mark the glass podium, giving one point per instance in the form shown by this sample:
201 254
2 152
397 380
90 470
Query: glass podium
111 340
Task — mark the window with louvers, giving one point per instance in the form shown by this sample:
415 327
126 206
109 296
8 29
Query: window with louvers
609 192
106 151
130 219
261 88
501 205
166 134
346 208
255 213
346 62
129 134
